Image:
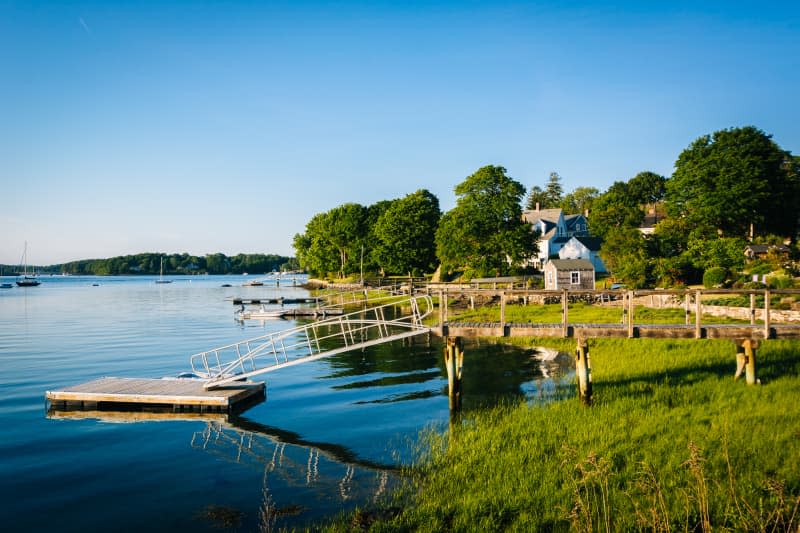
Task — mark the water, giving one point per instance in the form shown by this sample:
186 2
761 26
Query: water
329 437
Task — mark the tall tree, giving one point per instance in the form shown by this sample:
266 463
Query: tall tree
616 208
647 187
733 179
405 234
485 229
554 191
537 198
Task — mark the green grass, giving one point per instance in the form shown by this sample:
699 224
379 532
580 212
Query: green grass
580 313
671 443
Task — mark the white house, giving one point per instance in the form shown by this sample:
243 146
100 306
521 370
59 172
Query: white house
555 229
580 247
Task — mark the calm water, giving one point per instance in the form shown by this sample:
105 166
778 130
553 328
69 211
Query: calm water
328 438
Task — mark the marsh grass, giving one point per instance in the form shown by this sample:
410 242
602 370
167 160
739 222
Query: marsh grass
671 443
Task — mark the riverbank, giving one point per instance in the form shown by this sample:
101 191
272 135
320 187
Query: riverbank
672 442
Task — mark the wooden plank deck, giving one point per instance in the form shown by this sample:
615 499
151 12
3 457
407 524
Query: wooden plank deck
154 392
588 331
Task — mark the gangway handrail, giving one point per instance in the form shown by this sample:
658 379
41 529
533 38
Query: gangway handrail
361 295
360 329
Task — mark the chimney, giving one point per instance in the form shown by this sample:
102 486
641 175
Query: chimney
586 213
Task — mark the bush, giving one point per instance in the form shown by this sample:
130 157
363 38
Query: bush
714 277
780 282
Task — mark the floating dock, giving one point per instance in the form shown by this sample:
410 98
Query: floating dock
175 393
256 301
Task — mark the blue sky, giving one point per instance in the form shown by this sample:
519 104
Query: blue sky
207 127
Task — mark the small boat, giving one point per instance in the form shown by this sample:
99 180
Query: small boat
6 286
254 283
25 279
260 314
161 274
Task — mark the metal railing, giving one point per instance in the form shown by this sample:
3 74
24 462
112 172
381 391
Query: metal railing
360 329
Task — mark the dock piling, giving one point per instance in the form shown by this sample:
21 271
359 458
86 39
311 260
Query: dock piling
583 371
454 362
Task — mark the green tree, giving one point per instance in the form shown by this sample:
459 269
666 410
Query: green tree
333 240
580 200
485 230
647 188
405 234
624 253
536 198
733 179
314 252
615 209
554 191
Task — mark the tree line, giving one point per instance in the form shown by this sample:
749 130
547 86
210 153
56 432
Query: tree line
730 187
174 264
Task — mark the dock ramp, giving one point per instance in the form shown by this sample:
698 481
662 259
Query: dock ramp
229 364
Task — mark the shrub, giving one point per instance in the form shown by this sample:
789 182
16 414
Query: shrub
780 282
714 277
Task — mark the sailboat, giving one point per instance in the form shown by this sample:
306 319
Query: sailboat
25 279
161 275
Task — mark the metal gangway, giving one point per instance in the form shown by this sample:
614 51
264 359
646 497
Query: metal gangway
323 338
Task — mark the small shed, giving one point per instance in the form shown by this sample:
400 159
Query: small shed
568 274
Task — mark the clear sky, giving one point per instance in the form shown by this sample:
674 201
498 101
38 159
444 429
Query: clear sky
207 127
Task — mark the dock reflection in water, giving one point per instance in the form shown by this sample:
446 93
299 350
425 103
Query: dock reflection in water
296 474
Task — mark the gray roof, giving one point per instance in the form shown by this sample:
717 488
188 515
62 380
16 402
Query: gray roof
572 264
533 216
592 243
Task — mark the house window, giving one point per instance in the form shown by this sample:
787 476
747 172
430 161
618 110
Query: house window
575 278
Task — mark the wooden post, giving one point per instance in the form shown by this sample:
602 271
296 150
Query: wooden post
454 362
750 362
752 308
441 309
630 314
564 313
472 302
698 313
625 307
766 314
503 311
740 360
687 299
583 371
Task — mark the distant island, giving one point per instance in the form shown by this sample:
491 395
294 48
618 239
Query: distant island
174 264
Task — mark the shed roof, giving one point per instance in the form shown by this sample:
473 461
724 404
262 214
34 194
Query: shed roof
571 264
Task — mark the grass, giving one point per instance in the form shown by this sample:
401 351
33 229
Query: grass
671 443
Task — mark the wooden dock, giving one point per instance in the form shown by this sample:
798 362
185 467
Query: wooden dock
283 301
175 393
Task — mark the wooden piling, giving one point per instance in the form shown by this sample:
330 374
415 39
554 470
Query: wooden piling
454 362
750 362
583 371
631 306
746 360
698 313
503 311
740 361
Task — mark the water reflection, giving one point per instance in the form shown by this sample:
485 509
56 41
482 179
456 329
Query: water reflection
301 481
